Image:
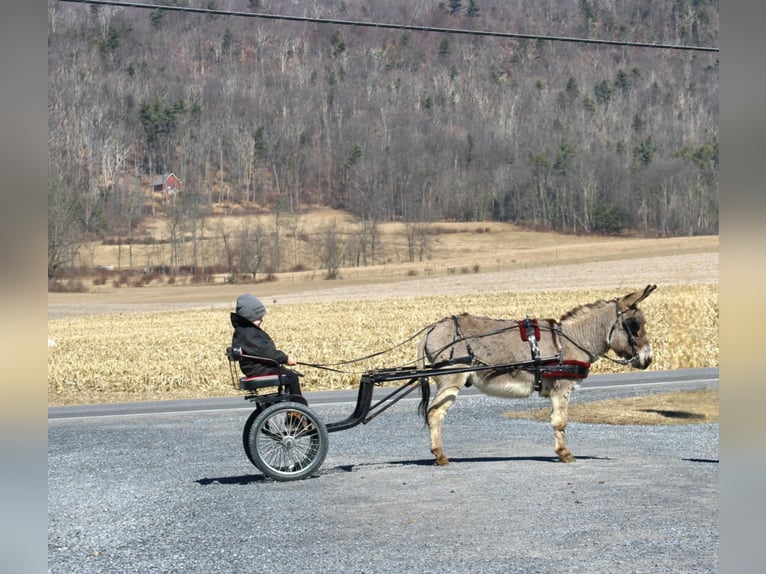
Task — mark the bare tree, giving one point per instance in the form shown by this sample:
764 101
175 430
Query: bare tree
418 240
331 250
293 225
252 247
64 226
222 229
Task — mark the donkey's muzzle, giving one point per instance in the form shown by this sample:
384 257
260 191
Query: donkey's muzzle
643 358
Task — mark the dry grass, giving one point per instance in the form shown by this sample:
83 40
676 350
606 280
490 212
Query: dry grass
700 406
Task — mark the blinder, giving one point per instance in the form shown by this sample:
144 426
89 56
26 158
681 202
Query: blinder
631 326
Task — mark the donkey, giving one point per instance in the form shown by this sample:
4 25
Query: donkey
512 359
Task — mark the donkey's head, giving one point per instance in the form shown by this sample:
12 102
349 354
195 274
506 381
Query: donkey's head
627 337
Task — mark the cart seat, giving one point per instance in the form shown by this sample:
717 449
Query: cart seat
258 382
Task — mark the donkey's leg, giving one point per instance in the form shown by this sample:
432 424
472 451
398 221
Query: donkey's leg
559 404
444 399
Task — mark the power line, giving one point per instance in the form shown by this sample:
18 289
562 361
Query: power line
382 25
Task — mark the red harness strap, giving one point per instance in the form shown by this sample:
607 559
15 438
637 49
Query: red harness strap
566 369
527 327
559 368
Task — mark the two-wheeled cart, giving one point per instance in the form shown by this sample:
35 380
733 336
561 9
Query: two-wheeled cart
286 440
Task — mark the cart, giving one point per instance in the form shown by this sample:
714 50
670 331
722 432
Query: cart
286 440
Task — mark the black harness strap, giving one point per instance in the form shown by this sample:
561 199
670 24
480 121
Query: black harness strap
559 336
459 337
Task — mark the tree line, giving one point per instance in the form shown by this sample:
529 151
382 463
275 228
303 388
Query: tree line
386 124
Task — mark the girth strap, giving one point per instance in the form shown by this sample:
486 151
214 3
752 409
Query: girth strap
568 369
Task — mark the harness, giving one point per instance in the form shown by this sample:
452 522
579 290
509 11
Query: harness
543 368
460 337
553 368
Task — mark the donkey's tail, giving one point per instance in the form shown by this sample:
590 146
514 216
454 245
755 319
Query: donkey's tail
425 387
425 396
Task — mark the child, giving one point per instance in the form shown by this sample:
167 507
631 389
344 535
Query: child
253 340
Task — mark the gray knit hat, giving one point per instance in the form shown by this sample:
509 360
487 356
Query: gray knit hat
250 307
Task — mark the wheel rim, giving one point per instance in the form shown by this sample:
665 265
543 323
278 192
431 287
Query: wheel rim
287 442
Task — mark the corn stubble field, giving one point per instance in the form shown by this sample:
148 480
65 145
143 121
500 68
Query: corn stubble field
181 354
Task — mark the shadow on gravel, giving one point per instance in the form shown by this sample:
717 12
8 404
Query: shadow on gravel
252 478
458 460
523 458
246 479
239 480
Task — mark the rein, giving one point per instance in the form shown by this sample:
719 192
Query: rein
550 367
329 366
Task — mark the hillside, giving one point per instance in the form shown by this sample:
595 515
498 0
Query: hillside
272 116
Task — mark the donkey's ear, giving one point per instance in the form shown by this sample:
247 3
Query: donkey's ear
635 298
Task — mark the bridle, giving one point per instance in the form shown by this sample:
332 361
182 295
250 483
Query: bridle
634 326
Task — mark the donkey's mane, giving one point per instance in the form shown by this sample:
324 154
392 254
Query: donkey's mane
582 310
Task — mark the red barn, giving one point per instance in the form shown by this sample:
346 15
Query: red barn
167 184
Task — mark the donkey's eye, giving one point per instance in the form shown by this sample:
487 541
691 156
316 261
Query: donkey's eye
634 325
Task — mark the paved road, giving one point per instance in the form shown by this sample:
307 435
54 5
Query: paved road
605 385
153 491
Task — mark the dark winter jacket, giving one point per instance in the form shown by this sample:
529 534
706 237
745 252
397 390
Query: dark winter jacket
255 341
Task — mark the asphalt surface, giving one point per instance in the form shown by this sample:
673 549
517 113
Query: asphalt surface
151 489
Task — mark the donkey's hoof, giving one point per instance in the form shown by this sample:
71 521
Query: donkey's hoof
567 457
441 460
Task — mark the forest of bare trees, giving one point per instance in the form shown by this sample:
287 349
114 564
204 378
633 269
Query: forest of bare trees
386 124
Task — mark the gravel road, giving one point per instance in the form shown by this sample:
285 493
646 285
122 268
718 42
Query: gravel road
174 492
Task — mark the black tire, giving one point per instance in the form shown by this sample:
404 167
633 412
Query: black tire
286 441
246 433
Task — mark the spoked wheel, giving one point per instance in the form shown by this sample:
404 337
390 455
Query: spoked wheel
286 441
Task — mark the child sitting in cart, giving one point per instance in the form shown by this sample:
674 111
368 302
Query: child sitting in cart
254 341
